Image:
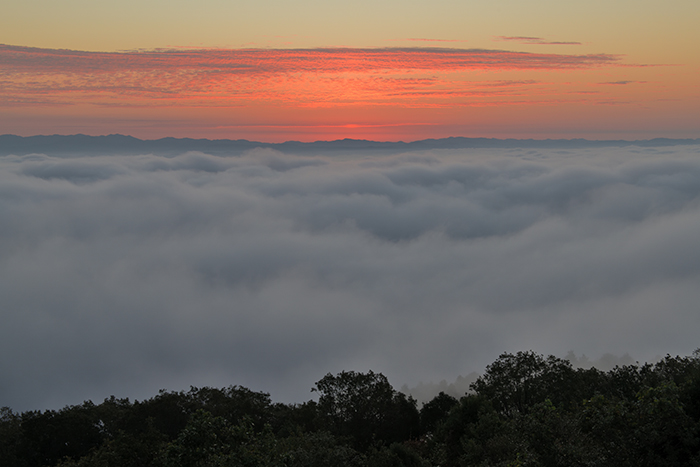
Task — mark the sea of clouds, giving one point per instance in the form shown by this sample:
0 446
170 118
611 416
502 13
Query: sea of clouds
126 274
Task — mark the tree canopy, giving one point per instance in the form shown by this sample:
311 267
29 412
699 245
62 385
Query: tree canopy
526 409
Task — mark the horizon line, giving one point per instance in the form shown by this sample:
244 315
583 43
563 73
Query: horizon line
187 138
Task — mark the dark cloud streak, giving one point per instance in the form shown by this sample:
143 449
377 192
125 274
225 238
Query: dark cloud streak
534 40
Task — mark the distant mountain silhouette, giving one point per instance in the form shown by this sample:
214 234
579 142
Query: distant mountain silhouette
120 144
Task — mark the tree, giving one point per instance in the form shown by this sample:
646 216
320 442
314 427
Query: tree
513 383
318 449
47 437
434 412
10 436
365 407
209 441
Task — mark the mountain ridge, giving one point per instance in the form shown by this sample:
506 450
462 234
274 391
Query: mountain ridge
124 144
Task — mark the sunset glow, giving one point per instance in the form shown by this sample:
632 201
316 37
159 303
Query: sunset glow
500 85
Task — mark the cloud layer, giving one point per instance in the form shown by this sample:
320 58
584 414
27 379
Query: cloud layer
125 274
326 77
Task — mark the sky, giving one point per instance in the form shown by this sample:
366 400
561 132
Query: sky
382 70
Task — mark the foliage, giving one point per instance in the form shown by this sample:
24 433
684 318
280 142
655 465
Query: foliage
515 382
365 408
435 411
526 410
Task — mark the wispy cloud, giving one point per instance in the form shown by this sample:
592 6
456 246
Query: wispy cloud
257 61
422 39
534 40
619 83
305 77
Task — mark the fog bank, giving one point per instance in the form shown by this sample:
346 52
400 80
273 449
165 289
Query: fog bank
124 274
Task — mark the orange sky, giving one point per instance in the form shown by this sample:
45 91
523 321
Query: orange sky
404 85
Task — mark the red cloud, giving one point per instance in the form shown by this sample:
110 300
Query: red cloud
409 76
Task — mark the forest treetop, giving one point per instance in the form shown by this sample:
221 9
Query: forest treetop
526 409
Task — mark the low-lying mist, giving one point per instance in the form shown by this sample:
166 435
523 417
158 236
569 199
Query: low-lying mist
126 274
